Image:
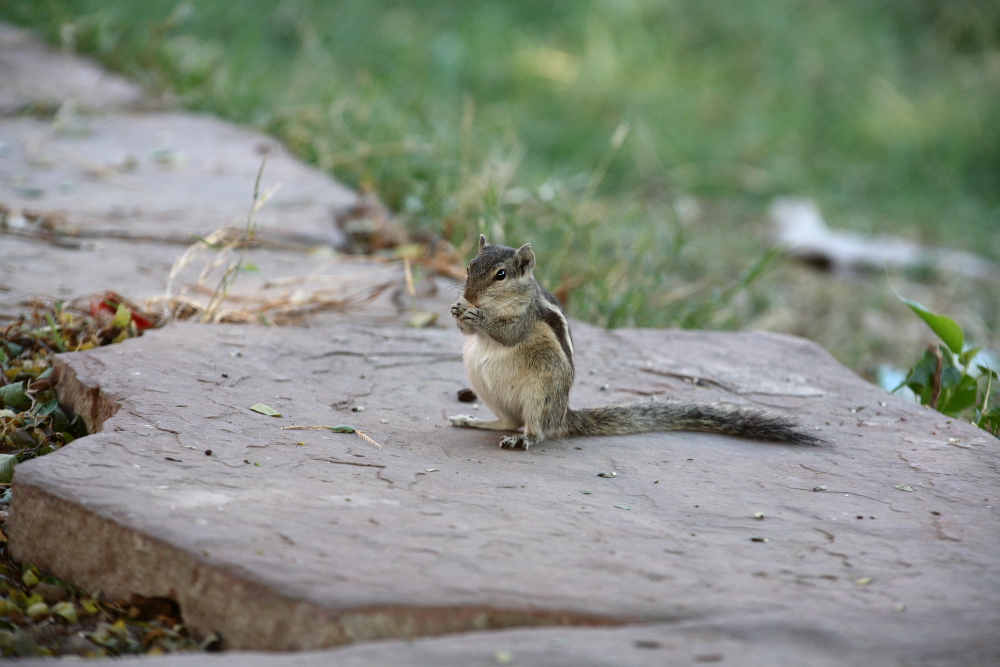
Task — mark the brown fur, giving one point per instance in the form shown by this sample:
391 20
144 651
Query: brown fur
519 356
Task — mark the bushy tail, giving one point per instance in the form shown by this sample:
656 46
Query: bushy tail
739 420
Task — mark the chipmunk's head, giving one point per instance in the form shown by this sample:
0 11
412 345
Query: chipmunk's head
498 273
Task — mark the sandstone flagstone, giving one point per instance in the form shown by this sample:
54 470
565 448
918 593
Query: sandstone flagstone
34 77
279 545
160 176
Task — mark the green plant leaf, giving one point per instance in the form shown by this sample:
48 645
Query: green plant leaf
961 398
7 463
47 408
945 327
970 354
122 316
987 371
13 395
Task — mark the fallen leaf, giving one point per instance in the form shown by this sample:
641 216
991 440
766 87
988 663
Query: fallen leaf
122 316
423 319
904 487
265 410
66 610
503 657
7 463
13 395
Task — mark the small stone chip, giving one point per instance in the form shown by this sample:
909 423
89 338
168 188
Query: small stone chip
607 475
863 581
759 516
759 539
904 487
358 408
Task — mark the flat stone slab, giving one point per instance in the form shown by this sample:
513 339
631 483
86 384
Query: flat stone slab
34 77
140 270
160 176
881 542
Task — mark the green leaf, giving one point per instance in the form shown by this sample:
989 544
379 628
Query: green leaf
962 398
66 610
343 428
47 408
987 371
945 327
265 410
970 354
7 463
921 377
122 316
29 578
13 395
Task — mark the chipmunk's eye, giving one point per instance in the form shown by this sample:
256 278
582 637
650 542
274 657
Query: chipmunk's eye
501 274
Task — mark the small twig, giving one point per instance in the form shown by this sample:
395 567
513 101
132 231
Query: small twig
335 429
936 390
408 272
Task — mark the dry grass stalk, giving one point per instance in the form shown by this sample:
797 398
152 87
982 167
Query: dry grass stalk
364 437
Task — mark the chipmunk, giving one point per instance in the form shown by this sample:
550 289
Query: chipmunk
519 357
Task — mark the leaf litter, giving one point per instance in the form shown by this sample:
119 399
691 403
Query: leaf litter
39 614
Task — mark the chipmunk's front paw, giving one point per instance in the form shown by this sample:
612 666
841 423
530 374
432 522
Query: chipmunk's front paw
518 441
462 420
470 315
457 309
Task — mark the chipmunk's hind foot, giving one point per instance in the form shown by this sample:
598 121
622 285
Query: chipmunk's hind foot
520 442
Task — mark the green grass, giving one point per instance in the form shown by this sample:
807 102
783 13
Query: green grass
590 127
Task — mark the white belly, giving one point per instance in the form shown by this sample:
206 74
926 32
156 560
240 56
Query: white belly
495 373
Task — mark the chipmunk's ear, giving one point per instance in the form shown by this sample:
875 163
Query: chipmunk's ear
525 259
482 242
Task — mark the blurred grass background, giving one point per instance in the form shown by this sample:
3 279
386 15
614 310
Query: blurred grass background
635 143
